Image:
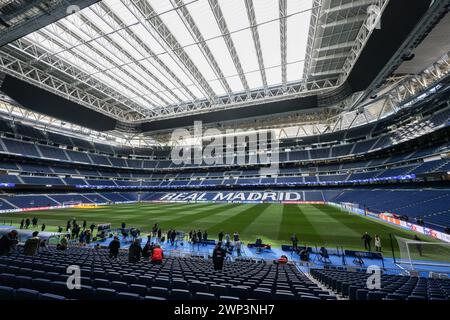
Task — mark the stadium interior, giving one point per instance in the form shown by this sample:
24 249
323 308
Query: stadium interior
252 121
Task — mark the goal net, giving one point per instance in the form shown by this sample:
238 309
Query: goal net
414 253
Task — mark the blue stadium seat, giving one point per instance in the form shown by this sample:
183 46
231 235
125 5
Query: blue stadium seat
26 294
127 296
180 294
153 298
139 289
204 296
228 298
49 296
6 293
159 292
105 294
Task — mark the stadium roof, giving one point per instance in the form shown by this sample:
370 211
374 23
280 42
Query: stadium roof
160 57
147 61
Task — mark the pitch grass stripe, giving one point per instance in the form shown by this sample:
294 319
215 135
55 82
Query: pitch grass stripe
294 220
174 212
192 216
345 219
241 220
331 228
267 225
308 233
210 221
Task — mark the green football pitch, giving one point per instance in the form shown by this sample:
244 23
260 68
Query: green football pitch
315 225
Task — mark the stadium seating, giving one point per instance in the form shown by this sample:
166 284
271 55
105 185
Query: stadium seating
44 277
353 285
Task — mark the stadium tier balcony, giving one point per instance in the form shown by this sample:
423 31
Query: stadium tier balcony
44 277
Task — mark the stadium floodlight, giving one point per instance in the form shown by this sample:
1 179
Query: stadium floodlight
417 255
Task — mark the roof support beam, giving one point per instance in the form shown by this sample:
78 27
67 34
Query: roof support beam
149 19
188 21
114 22
255 34
30 74
48 63
311 42
341 22
283 41
55 11
220 19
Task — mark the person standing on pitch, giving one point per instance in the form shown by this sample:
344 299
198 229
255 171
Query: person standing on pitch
367 239
377 243
220 236
218 256
205 238
159 233
294 240
238 245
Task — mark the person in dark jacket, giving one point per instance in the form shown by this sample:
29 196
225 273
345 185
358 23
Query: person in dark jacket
218 256
220 236
92 227
43 227
34 221
68 225
27 223
159 234
294 240
22 223
194 240
7 242
173 236
199 235
84 224
135 251
147 250
205 238
114 247
367 239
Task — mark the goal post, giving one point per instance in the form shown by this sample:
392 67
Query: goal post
414 253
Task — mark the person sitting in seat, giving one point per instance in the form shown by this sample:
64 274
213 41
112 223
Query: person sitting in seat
304 254
7 242
157 255
146 251
134 252
282 260
32 245
63 244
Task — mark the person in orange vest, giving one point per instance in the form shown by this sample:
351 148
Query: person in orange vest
157 255
283 259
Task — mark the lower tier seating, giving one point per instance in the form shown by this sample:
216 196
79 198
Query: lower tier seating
44 277
353 285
